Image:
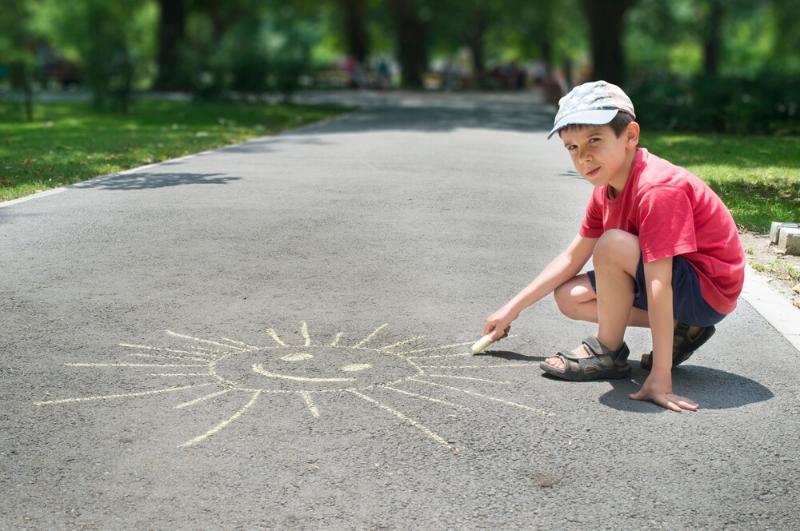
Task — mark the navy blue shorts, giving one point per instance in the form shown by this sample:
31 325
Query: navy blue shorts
688 305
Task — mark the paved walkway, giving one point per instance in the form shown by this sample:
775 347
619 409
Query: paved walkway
275 335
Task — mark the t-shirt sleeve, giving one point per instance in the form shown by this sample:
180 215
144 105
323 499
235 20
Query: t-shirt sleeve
666 223
592 224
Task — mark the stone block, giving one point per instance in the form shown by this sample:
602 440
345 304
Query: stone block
775 229
789 240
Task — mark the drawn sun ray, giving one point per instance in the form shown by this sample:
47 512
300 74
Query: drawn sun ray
404 342
439 356
219 427
317 372
274 335
304 331
180 374
167 356
336 339
202 399
122 395
424 429
430 349
195 348
200 340
369 337
133 365
170 350
240 343
424 397
481 395
467 378
312 407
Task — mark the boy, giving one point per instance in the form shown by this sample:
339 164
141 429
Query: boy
665 249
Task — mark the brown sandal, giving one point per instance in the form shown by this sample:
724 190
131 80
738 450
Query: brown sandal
683 346
603 364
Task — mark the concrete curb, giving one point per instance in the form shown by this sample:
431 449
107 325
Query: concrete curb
778 311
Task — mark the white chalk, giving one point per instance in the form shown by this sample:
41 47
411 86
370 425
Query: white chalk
482 343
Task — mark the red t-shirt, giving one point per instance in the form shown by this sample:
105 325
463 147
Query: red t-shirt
674 213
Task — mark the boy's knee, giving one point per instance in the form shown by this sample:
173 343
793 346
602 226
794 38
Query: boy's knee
567 303
614 244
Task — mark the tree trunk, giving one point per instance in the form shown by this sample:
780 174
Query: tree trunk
29 104
412 41
605 18
713 42
171 32
475 43
355 14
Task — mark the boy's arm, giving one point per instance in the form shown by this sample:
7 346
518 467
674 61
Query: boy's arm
658 386
560 269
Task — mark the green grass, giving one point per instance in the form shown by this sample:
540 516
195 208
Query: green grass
758 177
71 142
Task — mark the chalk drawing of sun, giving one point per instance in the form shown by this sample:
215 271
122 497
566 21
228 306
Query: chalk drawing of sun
311 371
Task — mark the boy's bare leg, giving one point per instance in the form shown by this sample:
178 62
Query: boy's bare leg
616 257
577 300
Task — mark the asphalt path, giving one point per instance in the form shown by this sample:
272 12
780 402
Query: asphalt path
275 335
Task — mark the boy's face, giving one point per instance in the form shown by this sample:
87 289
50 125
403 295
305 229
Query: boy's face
602 157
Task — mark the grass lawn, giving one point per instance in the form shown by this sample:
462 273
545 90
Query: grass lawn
758 177
70 142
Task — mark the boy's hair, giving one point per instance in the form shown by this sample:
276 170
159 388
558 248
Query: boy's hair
618 124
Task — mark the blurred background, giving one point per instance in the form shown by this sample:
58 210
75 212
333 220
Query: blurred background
698 65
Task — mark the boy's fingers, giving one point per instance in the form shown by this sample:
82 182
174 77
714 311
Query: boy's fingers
687 404
638 395
669 404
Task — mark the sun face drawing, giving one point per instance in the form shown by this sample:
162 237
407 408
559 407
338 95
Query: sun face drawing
312 371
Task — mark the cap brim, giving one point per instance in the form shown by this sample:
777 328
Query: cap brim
590 117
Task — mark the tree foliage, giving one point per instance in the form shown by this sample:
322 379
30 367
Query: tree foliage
17 47
215 47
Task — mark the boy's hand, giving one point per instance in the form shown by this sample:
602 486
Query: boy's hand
658 389
499 320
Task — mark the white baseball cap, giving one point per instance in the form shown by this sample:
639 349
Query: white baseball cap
593 103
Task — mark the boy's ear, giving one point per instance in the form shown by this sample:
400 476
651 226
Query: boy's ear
632 135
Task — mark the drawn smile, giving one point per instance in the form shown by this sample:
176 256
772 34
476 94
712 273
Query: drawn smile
258 369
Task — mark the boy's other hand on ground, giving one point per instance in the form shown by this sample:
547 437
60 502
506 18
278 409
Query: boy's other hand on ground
658 389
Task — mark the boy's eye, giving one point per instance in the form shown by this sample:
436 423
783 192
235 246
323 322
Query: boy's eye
571 147
594 140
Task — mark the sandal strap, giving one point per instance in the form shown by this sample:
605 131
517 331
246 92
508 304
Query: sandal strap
620 356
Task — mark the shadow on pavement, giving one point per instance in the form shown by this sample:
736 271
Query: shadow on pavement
711 388
145 181
427 119
271 144
508 355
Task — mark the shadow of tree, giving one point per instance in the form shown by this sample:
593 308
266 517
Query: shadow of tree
145 181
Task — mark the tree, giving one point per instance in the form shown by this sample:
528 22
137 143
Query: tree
475 32
606 28
355 14
112 41
411 21
712 46
171 35
16 46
